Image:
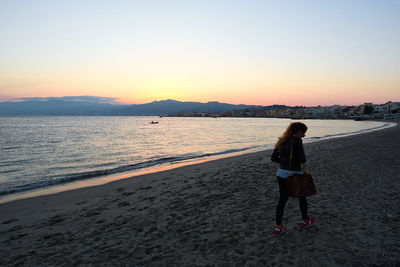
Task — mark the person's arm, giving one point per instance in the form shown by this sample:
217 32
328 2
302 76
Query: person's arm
300 151
275 156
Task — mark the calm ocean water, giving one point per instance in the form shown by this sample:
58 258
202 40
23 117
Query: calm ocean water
41 151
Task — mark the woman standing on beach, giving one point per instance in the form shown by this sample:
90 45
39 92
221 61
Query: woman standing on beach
281 155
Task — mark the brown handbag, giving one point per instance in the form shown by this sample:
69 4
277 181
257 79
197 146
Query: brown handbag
299 185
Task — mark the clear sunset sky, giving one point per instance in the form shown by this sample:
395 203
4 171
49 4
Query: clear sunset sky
250 52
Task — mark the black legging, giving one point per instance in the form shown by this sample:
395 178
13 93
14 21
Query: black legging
283 198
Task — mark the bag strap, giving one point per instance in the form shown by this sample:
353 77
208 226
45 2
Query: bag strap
291 153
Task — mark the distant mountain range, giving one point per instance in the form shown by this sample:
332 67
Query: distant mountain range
101 106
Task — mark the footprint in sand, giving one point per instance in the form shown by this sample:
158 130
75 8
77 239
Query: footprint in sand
10 221
122 204
128 193
57 219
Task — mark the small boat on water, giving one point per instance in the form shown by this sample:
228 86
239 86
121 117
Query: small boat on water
154 122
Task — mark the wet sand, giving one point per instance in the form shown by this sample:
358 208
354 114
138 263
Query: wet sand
221 212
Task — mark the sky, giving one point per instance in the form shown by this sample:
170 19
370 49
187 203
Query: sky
239 52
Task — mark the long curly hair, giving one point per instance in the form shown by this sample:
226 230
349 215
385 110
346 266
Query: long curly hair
292 129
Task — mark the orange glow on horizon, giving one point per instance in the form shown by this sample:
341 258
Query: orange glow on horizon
237 86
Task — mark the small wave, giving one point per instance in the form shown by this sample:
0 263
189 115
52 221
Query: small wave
9 171
119 169
11 147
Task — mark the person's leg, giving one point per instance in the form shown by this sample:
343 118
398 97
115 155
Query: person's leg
303 207
283 197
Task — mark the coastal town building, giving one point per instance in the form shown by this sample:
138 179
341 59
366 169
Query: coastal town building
363 111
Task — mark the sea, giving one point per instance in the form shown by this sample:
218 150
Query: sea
38 152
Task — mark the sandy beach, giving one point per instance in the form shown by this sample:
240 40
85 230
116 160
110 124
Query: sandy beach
221 212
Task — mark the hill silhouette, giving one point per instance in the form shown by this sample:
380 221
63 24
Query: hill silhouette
99 106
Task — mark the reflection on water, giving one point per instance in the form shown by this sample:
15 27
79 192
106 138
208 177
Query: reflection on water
40 151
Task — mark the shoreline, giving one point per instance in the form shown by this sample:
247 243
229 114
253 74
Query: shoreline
220 212
104 180
101 180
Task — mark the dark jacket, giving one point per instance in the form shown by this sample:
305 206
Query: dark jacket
283 157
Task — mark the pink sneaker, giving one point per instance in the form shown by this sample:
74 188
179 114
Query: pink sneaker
278 231
307 223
